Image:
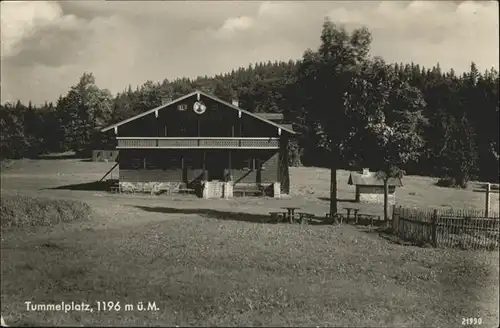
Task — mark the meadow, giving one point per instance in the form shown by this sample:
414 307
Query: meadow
212 262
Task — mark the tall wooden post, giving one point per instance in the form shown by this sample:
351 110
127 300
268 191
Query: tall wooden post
434 227
205 177
386 200
333 187
229 166
487 203
395 219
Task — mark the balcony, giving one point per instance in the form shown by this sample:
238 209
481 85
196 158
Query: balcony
197 142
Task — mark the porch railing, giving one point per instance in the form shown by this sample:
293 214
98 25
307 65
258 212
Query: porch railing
197 142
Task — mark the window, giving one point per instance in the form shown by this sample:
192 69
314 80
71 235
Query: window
153 161
136 163
248 164
193 160
172 162
260 164
131 159
254 164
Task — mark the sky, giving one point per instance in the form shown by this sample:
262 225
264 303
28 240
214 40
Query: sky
46 46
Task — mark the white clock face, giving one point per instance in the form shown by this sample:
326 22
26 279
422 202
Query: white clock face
199 107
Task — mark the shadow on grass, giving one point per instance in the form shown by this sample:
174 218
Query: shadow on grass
340 200
58 157
220 215
89 186
387 233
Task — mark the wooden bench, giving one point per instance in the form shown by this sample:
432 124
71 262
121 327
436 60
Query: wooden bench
367 217
337 218
305 218
245 192
185 190
277 217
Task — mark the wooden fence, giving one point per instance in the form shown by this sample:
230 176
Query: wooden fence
466 229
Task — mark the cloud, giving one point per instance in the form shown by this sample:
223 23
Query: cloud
20 20
428 32
234 25
46 46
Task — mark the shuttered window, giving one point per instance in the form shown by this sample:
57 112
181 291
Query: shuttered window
260 164
154 161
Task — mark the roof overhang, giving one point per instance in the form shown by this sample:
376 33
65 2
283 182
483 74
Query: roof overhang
155 110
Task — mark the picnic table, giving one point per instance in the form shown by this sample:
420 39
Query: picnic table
291 212
368 216
354 210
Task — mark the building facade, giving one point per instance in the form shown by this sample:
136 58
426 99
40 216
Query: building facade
370 188
203 143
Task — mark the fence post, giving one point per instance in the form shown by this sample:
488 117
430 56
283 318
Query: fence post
434 227
487 204
394 219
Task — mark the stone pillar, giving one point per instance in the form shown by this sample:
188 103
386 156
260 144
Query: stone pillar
277 190
228 190
205 186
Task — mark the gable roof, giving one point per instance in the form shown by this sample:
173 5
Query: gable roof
271 116
286 128
371 179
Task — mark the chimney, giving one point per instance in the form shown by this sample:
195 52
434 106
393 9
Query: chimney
235 102
366 172
165 100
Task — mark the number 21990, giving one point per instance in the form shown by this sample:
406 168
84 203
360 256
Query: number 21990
472 321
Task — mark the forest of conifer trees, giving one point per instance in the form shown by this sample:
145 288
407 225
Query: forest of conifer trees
323 91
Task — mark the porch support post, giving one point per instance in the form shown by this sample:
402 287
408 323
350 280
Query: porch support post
229 165
205 178
182 168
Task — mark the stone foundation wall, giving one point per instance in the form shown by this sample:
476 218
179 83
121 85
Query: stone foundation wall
228 190
276 190
149 186
213 189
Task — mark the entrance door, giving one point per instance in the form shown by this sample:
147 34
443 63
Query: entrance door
215 163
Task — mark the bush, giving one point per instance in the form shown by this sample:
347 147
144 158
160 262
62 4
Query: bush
5 163
22 211
451 183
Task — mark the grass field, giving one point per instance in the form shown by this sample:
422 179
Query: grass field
211 262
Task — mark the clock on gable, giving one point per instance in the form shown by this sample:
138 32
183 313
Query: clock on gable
199 107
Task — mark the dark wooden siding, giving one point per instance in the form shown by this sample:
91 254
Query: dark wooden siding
150 165
192 163
252 166
247 166
217 121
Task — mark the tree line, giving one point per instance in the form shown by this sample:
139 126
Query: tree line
352 110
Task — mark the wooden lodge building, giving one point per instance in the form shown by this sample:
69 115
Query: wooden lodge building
200 142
